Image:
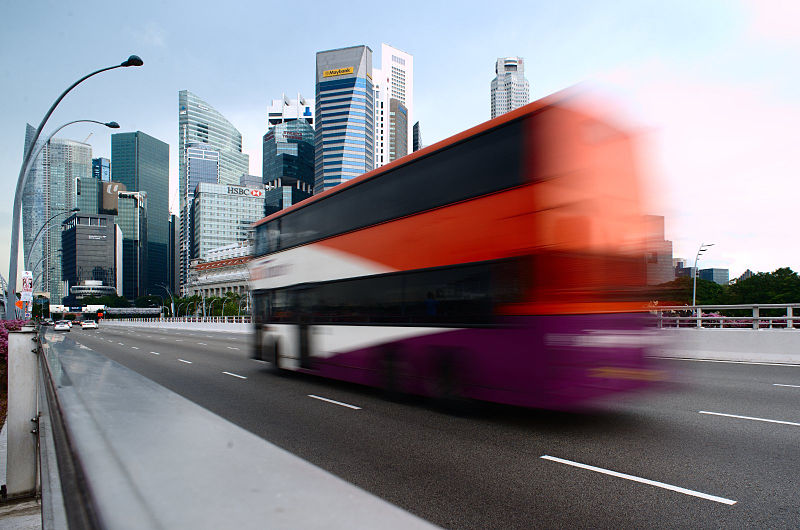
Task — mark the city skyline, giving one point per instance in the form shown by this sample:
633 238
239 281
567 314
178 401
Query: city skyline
678 69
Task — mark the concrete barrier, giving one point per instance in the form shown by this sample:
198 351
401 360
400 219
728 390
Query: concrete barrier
764 345
226 327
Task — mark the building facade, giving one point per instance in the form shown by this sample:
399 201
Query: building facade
288 156
285 109
398 129
141 163
89 255
720 276
202 165
132 221
393 84
101 169
344 139
659 267
509 89
217 278
200 123
223 215
51 188
416 137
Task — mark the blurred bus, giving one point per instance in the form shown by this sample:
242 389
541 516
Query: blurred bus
504 264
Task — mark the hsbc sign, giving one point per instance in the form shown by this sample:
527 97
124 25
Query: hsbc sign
232 190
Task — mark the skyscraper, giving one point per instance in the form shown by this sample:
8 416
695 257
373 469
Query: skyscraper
101 169
52 188
510 89
345 120
200 123
393 85
398 129
289 156
285 109
141 163
201 164
132 220
416 137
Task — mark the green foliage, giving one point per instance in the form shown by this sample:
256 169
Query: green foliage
781 286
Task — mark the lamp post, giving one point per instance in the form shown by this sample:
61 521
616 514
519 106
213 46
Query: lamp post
133 60
703 248
44 230
172 300
211 306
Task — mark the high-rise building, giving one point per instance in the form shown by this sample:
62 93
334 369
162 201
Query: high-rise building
87 195
101 169
417 137
174 252
251 181
288 159
200 123
719 276
285 109
51 188
658 260
223 215
141 163
201 164
394 80
89 251
398 129
344 139
510 89
132 220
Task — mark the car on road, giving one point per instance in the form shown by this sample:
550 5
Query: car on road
47 322
62 325
88 324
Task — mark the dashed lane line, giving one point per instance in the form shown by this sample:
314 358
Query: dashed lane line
184 361
782 422
641 480
235 375
334 402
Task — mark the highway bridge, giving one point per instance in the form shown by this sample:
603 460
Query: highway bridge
716 448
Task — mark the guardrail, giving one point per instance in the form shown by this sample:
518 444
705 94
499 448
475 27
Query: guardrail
116 450
199 320
713 316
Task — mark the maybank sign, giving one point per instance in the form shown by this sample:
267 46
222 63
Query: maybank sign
337 71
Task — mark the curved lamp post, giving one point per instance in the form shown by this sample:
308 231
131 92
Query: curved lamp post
703 248
133 60
211 306
172 300
42 231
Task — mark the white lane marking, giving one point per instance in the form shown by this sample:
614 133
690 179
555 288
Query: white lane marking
178 340
728 362
749 418
187 362
202 344
120 344
663 485
334 402
155 353
790 386
232 348
134 347
235 375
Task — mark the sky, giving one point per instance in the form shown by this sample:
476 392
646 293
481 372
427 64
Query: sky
712 87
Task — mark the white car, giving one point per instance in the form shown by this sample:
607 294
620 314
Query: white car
61 325
88 324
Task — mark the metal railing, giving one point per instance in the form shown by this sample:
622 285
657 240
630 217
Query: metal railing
198 320
720 316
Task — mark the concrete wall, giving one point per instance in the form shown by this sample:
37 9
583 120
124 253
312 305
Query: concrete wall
765 345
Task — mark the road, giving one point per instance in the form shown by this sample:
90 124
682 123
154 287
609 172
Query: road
721 448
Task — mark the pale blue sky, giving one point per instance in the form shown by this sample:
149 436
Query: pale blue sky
708 80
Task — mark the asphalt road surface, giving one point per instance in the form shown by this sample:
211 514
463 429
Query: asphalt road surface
721 448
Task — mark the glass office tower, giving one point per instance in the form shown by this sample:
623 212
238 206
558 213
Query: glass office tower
202 166
289 156
132 220
223 215
141 163
51 188
200 123
345 120
101 169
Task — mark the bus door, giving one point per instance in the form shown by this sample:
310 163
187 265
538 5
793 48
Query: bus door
304 314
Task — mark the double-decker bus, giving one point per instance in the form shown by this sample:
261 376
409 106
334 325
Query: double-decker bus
505 264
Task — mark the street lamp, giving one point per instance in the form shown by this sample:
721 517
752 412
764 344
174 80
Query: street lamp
11 287
172 300
42 230
211 306
703 248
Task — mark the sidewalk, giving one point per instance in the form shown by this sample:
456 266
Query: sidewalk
21 515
